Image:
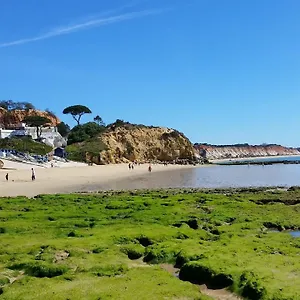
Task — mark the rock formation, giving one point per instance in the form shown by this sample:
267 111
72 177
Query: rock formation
142 144
242 151
13 118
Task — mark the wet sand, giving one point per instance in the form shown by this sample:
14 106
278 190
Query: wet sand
84 179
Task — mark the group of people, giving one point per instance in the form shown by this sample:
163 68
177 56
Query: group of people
32 175
131 166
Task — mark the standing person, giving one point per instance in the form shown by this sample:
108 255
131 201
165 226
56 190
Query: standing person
129 166
6 176
32 174
149 168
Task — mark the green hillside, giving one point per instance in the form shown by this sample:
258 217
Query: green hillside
26 145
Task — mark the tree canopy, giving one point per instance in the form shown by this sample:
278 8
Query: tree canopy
99 120
63 129
84 132
77 111
12 105
36 121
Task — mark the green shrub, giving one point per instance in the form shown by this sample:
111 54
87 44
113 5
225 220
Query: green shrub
91 146
25 144
129 148
63 129
81 133
2 230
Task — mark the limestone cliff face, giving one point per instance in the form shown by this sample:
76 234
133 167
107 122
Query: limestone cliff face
11 119
241 151
143 144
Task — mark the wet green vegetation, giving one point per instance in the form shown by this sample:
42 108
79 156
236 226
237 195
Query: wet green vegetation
111 245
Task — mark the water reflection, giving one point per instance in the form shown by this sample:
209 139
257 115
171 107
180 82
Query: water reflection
213 177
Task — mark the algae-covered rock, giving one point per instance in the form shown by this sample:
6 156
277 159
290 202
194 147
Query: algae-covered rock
251 287
197 272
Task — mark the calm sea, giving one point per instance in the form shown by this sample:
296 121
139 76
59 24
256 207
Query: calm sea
215 177
268 159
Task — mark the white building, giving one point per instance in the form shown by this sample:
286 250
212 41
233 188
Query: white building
49 135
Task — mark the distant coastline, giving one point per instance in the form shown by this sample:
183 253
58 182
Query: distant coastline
244 152
270 159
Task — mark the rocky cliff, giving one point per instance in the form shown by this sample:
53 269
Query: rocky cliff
142 143
242 151
13 118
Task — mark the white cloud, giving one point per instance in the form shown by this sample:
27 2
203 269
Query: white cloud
82 26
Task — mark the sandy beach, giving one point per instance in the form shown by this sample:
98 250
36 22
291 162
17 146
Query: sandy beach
78 178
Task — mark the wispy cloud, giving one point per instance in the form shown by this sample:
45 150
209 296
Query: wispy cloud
82 26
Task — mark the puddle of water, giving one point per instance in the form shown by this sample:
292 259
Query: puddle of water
294 233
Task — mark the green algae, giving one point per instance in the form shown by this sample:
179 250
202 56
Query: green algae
220 238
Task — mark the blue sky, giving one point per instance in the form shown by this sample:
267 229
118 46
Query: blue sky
220 71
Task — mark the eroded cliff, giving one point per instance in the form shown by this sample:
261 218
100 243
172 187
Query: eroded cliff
143 143
13 118
242 151
138 143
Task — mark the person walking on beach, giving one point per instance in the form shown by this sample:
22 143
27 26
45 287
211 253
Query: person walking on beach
32 174
129 166
150 168
6 176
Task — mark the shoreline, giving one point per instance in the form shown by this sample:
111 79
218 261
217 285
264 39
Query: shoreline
70 179
241 159
77 179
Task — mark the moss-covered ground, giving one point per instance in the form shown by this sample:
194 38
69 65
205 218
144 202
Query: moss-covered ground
111 245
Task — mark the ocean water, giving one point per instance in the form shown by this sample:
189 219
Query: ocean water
267 159
284 175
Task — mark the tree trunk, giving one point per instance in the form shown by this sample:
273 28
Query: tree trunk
77 120
37 132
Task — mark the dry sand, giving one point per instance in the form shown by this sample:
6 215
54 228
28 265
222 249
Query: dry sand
77 178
